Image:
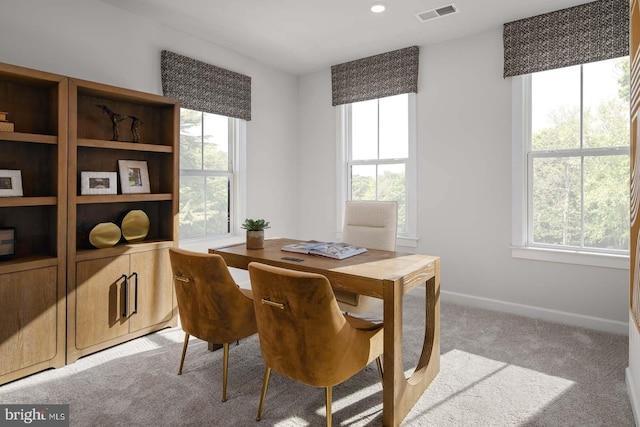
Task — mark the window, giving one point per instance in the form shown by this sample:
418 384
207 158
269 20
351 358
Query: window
574 163
209 179
378 142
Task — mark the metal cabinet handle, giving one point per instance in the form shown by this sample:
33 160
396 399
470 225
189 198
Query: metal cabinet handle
135 301
125 306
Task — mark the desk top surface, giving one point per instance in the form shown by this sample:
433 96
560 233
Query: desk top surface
373 265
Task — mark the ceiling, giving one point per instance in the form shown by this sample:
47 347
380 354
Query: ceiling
301 36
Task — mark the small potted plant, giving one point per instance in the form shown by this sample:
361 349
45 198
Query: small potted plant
255 232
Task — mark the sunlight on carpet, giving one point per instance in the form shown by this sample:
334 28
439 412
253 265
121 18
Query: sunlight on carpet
361 394
293 421
486 390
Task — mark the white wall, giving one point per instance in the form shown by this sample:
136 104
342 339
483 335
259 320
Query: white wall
317 139
464 149
94 41
464 190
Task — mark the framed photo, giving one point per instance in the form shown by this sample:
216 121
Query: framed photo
134 176
98 183
7 242
10 183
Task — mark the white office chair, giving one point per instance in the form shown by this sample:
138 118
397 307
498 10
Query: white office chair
372 224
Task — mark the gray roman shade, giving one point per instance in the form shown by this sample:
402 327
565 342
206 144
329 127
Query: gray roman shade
205 87
590 32
387 74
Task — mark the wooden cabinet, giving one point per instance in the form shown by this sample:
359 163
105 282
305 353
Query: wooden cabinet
60 298
119 293
32 283
634 254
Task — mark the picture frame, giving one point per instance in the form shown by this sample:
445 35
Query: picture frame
7 242
134 176
98 183
10 183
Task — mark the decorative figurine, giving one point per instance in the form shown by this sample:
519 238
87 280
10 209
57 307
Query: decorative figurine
135 123
117 118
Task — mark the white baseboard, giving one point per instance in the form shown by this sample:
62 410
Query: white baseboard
635 403
566 318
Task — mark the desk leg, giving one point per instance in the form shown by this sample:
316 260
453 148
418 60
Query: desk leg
399 393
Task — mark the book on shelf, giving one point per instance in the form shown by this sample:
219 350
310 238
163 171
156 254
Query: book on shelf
337 250
6 126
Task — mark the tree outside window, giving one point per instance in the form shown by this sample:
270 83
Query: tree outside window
578 157
206 174
378 152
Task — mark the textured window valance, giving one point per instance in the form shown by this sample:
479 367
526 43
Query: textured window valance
205 87
590 32
387 74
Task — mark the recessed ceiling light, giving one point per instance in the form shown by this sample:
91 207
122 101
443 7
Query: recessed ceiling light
378 7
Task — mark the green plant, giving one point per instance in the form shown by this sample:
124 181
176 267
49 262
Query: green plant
255 224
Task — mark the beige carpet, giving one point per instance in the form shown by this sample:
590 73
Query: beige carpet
496 370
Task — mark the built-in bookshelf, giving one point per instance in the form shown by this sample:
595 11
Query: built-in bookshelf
125 291
634 51
33 276
60 297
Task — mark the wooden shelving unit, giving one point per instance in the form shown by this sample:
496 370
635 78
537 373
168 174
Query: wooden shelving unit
61 299
119 293
634 53
33 282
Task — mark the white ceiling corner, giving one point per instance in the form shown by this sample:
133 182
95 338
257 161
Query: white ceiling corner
301 37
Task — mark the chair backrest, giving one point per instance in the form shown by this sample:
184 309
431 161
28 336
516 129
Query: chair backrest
211 305
372 224
303 334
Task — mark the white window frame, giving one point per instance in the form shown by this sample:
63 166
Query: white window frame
238 161
521 181
343 191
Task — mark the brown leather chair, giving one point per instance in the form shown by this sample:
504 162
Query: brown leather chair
211 306
303 333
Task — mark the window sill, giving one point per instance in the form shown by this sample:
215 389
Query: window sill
572 257
410 242
203 245
407 242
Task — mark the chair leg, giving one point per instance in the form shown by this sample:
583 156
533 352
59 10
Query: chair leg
184 352
225 370
265 383
328 398
379 363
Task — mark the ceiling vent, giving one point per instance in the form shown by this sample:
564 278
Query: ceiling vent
438 12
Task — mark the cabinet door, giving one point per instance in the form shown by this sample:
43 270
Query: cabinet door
155 288
27 318
100 300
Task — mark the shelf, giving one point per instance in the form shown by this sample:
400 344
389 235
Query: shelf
118 145
27 263
94 284
88 88
122 249
6 202
28 137
124 198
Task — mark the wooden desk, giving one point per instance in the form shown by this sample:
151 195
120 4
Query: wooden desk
381 274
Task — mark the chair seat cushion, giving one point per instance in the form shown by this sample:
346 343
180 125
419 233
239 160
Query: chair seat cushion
346 297
362 324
